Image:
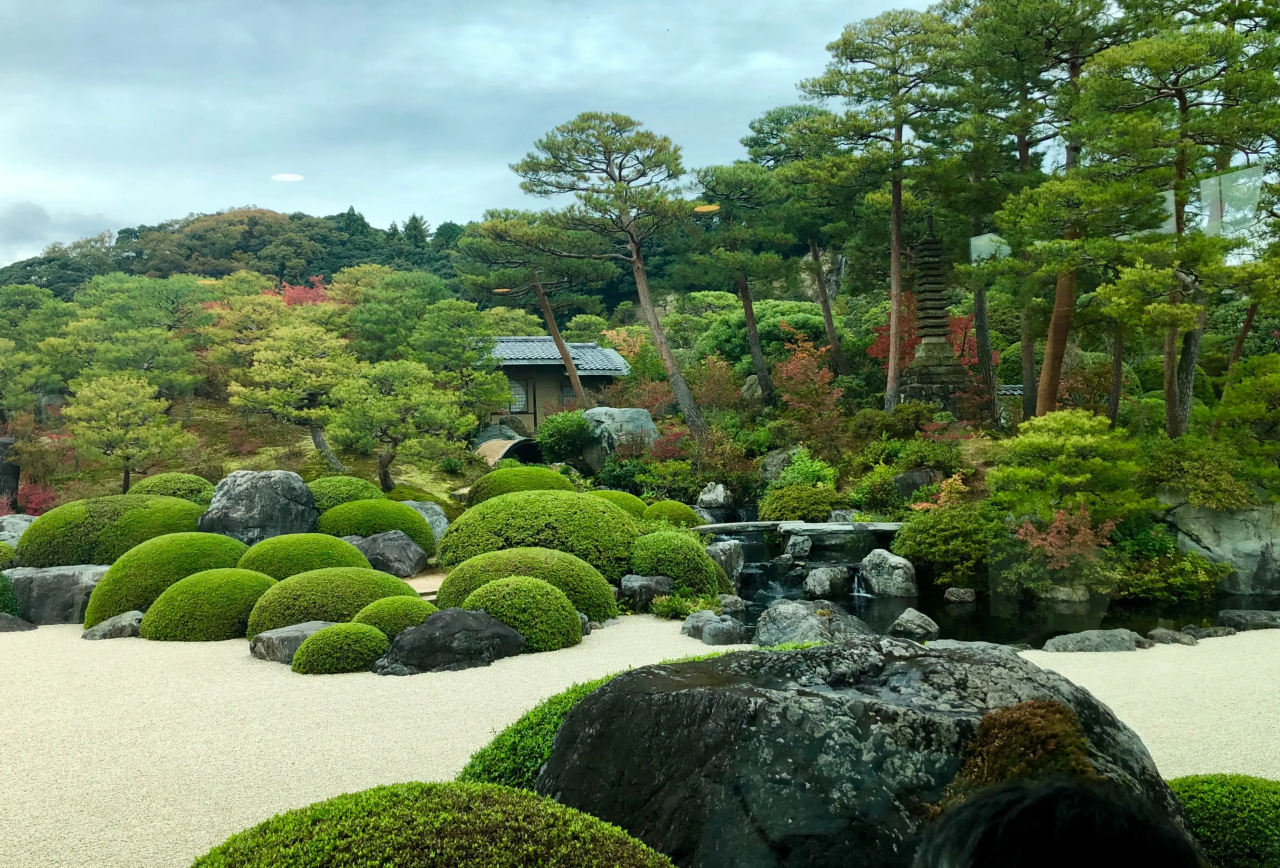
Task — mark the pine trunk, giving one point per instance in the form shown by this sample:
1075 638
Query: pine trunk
1028 348
317 440
127 482
753 341
1055 348
1117 374
578 392
824 301
982 339
384 469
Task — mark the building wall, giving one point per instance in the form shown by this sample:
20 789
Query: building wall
547 390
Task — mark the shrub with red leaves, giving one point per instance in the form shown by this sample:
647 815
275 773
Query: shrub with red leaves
36 499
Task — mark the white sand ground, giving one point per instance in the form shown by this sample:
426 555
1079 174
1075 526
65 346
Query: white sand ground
136 754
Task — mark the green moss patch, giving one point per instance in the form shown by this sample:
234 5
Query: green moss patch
680 556
210 606
393 615
511 479
1236 818
369 517
533 608
333 594
101 529
331 491
581 582
340 648
186 486
283 556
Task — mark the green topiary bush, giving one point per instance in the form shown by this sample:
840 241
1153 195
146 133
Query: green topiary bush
9 598
186 486
1236 818
392 615
582 583
340 648
683 558
209 606
283 556
6 555
956 541
434 826
673 511
563 436
799 503
331 491
368 517
144 572
498 482
533 608
625 499
101 529
333 594
589 527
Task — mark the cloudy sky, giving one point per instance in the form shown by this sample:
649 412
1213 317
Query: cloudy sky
120 112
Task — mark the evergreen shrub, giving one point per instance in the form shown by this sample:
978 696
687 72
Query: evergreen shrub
209 606
533 608
498 482
187 486
6 555
956 541
679 556
799 503
563 436
369 517
9 598
340 648
580 582
679 514
333 594
624 499
101 529
392 615
1236 818
331 491
283 556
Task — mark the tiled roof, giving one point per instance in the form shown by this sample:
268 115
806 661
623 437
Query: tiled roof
1010 389
588 358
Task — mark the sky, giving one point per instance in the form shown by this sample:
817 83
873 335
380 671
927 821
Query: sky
117 113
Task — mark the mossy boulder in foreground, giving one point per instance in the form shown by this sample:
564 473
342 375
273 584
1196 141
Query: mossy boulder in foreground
210 606
533 608
101 529
369 517
283 556
334 594
340 648
581 582
186 486
511 479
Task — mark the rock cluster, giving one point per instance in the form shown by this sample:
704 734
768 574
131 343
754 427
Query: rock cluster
252 506
55 595
449 640
787 621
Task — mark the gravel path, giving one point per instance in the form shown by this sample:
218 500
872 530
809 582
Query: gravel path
146 754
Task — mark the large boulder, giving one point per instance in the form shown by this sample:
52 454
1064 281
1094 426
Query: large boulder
393 552
960 595
908 482
731 557
915 625
715 496
1249 619
885 574
255 505
434 514
449 640
1245 538
12 527
12 624
824 582
798 546
611 426
1097 640
126 625
807 621
639 591
55 595
279 645
497 431
824 757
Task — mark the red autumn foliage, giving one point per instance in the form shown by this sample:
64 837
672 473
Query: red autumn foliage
714 385
963 340
1070 537
34 499
313 292
673 443
804 385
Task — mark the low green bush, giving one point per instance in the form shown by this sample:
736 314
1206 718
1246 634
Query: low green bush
369 517
581 582
799 503
805 469
591 528
499 482
333 594
9 598
209 606
186 486
283 556
331 491
957 541
434 826
144 572
679 556
533 608
392 615
678 608
679 514
99 530
876 492
340 648
624 499
563 436
1236 818
6 555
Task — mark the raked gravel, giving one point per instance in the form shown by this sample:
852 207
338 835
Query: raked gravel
134 754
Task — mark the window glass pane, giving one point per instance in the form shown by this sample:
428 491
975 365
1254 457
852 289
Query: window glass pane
519 397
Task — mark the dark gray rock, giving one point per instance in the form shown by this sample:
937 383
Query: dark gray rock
908 482
715 496
822 758
708 516
799 546
731 557
393 552
884 574
1162 636
55 595
354 539
1249 619
914 625
807 621
279 645
612 426
252 506
496 431
123 626
825 582
515 423
433 513
1244 538
773 463
695 621
726 631
10 624
1095 640
586 624
639 591
449 640
734 607
1208 632
960 595
12 527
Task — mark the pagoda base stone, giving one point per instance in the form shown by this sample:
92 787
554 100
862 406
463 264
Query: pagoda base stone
935 375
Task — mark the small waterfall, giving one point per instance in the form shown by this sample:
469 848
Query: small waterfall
858 590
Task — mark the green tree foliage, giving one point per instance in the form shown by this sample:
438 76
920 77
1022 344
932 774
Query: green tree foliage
455 341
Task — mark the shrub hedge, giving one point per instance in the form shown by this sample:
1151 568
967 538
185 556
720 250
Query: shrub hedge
368 517
434 826
624 499
452 509
1236 818
186 486
581 582
591 528
283 556
209 606
533 608
392 615
9 598
679 514
340 648
331 491
683 558
799 503
99 530
333 594
498 482
956 541
144 572
6 555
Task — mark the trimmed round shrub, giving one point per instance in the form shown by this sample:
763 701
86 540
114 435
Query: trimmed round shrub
283 556
533 608
9 598
1236 818
624 499
498 482
515 756
679 514
434 826
799 503
209 606
333 594
368 517
187 486
340 648
683 558
591 528
99 530
392 615
6 555
452 509
956 541
582 583
331 491
144 572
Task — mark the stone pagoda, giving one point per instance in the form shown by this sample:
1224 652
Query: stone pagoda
935 375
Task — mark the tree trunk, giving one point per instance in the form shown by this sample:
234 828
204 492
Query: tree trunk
824 301
1055 348
893 379
1186 376
753 341
1247 326
1028 347
578 392
1117 374
384 469
124 486
317 439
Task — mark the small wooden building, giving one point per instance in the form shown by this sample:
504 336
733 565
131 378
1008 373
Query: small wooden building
539 382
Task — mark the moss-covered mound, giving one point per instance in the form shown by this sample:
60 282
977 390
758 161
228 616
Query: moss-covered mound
799 503
340 648
434 826
99 530
533 608
187 486
392 615
625 499
283 556
331 491
673 511
581 582
680 556
591 528
512 479
333 594
452 509
368 517
1236 818
144 572
7 555
9 598
209 606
